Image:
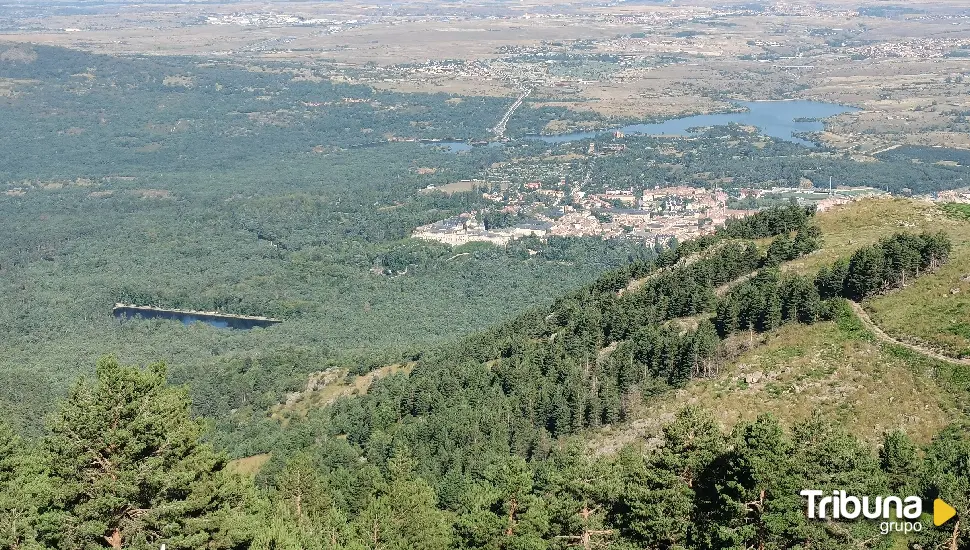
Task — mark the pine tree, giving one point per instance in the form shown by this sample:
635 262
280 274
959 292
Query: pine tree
23 492
282 530
945 474
902 253
404 515
779 251
770 316
827 458
808 239
726 317
507 514
742 502
130 470
790 293
580 491
830 281
810 310
898 459
657 504
708 346
936 250
866 273
303 490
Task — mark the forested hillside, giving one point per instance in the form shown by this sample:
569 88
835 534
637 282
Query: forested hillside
250 190
484 443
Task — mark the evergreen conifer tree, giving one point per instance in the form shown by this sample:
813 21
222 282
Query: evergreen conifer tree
130 471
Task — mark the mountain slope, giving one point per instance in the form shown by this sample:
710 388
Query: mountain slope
485 444
842 369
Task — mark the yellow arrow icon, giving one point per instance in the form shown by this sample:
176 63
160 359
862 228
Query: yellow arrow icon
942 512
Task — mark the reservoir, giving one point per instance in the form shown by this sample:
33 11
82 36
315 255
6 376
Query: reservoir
782 119
777 119
187 317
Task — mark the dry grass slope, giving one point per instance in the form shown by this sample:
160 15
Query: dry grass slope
799 370
838 369
934 309
250 465
851 226
323 388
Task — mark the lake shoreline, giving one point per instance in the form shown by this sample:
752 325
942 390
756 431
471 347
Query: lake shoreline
773 118
188 316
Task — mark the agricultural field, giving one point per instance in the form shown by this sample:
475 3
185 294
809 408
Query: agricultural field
903 67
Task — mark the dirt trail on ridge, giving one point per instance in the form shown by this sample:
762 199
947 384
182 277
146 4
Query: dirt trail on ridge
883 337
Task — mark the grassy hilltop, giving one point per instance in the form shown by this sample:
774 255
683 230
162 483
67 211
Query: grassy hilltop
931 310
840 368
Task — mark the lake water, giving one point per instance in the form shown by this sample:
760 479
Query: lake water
772 118
218 321
777 119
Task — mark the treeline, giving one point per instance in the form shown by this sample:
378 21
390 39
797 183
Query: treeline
679 282
768 300
887 264
778 220
121 465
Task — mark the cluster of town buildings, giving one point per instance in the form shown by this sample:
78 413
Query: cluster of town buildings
917 48
789 9
681 212
563 195
670 32
654 214
277 19
467 228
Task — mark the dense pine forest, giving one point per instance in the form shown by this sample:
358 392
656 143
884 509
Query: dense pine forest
481 445
208 186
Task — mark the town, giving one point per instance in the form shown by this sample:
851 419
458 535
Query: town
656 216
560 196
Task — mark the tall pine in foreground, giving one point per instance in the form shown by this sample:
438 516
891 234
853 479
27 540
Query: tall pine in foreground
129 469
22 490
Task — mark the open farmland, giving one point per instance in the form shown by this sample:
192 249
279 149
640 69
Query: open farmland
904 68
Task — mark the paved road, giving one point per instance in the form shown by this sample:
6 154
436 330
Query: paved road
499 128
882 336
